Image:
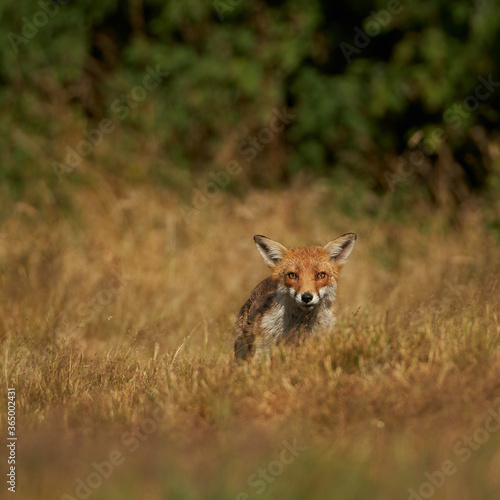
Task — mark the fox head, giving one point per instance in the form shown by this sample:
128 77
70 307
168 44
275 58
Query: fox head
306 274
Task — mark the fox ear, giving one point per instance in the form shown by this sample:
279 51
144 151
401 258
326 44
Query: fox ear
340 248
271 250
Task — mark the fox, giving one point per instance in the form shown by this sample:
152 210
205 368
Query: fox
297 301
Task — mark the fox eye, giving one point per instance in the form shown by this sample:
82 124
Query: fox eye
292 276
320 276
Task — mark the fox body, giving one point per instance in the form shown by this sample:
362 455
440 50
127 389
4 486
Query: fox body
297 300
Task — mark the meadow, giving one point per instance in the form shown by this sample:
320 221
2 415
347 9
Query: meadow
116 333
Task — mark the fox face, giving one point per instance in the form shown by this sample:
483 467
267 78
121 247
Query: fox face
308 275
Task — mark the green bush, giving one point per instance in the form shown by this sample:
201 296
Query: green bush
367 82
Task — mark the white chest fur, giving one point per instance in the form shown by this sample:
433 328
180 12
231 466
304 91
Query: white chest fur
284 320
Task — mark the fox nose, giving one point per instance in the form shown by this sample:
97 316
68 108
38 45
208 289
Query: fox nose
307 297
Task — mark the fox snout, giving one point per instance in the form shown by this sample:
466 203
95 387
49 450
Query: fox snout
306 300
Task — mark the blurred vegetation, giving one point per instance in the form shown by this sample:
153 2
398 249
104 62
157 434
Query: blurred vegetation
368 83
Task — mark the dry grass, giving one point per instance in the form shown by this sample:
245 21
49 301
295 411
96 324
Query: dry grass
144 366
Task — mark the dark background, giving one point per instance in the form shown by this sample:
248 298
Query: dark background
368 82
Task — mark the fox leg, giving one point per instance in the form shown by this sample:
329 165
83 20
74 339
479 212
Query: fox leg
241 349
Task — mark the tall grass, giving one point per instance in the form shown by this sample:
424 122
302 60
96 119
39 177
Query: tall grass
116 332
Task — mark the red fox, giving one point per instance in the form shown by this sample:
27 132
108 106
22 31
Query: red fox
296 302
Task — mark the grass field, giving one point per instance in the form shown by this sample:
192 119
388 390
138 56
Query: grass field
116 333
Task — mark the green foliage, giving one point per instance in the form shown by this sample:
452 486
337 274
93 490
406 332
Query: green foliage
362 78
